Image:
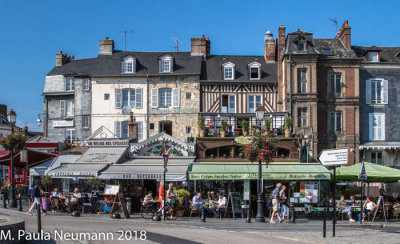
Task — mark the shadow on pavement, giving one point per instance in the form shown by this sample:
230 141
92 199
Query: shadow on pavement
159 238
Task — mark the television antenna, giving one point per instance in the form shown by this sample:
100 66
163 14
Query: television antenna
177 43
334 20
126 32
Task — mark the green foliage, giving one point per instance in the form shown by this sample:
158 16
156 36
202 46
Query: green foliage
156 150
46 180
224 125
261 148
181 194
288 123
93 182
175 152
245 125
267 125
14 142
201 122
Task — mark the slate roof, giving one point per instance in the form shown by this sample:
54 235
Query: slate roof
147 63
338 51
293 38
386 54
212 68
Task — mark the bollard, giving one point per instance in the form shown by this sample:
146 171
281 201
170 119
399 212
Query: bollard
4 202
39 220
324 224
202 215
248 215
20 203
292 214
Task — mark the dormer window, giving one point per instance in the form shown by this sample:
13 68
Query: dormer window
166 64
129 65
374 57
254 71
229 71
302 46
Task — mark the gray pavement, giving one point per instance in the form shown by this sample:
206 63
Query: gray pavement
186 230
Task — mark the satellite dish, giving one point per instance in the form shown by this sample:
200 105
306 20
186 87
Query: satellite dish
126 109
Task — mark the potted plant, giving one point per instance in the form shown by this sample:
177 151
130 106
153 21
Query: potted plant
181 195
202 125
267 127
46 181
237 131
230 132
224 125
245 127
241 155
288 126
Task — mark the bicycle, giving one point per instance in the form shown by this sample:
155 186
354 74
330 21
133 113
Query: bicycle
148 211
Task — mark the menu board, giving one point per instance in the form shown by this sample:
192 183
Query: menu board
308 192
111 190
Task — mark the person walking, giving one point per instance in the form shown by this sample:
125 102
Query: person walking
283 202
36 199
161 197
171 198
275 203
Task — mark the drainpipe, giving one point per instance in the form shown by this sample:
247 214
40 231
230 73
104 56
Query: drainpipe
290 85
147 107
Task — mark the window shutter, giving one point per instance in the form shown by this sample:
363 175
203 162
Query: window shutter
154 97
385 92
117 129
371 127
382 118
176 97
118 98
171 65
72 84
368 92
140 130
159 65
63 110
139 97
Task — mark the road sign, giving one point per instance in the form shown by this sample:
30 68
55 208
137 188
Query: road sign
333 157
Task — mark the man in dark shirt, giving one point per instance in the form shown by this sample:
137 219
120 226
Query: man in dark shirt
36 199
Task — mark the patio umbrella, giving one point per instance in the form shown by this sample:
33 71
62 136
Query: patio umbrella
375 173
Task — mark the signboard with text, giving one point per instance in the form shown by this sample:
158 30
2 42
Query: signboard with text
63 123
333 157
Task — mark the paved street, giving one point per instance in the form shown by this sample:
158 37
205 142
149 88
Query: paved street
187 230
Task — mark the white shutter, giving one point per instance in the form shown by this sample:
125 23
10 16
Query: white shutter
382 121
176 95
368 92
385 92
371 127
63 110
154 97
118 98
140 130
117 129
139 97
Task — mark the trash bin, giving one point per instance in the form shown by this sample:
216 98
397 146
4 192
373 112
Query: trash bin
129 204
46 204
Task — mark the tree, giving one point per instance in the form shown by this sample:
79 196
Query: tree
93 182
46 181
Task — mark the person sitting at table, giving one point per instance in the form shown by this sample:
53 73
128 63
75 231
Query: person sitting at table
368 207
221 204
209 196
198 202
74 201
353 201
55 199
148 199
344 207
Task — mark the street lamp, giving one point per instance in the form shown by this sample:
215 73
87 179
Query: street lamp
39 121
12 118
260 200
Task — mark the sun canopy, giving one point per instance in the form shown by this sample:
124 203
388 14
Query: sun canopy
249 171
375 173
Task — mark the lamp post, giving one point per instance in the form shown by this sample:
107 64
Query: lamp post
12 118
260 192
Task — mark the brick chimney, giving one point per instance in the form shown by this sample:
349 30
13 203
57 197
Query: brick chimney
61 58
200 46
3 110
281 41
345 35
133 129
106 47
269 47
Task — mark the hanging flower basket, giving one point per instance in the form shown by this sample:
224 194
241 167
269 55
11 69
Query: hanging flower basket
14 142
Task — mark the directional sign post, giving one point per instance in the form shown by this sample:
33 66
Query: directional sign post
333 157
363 177
165 159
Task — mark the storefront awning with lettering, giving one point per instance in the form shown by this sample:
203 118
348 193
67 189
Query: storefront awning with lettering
249 171
108 155
149 168
77 170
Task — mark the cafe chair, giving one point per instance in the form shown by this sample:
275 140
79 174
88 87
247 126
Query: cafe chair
193 210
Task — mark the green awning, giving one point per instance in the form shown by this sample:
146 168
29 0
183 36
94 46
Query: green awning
249 171
375 173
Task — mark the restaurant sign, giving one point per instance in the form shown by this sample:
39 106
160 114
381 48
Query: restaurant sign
63 123
143 177
108 143
265 176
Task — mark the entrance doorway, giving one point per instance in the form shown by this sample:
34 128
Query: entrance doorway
166 127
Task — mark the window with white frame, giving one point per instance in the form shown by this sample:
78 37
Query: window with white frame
69 84
166 64
86 84
374 57
377 158
228 71
121 129
228 104
165 97
302 46
377 91
128 65
128 97
254 71
335 84
67 108
377 126
301 80
301 117
254 102
336 121
85 122
70 135
140 130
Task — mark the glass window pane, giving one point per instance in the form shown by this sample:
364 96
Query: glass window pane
132 97
251 104
232 104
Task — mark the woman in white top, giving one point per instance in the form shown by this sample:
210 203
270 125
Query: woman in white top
368 207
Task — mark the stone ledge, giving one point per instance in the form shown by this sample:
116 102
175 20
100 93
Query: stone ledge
13 224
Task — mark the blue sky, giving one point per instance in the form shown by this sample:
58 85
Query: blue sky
32 32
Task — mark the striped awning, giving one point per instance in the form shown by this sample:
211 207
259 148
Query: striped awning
380 146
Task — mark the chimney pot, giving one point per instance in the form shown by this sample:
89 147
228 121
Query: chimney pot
344 35
60 52
269 47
